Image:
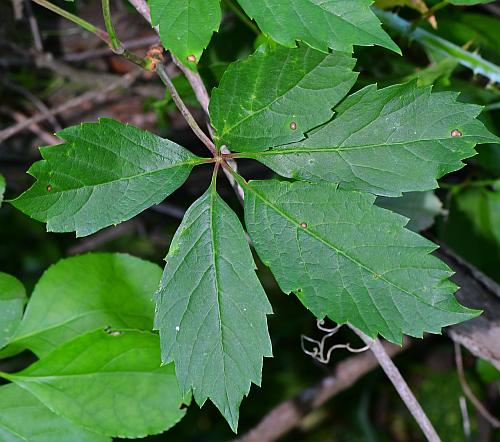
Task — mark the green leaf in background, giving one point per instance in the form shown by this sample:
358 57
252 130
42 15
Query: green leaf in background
24 418
2 189
186 26
82 293
12 300
469 2
274 97
109 382
421 207
349 260
385 141
472 228
211 308
334 24
104 173
487 371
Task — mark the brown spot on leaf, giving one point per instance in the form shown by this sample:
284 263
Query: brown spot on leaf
49 187
191 58
293 125
303 225
456 133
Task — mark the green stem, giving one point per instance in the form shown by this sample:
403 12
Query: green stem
160 70
75 19
468 59
106 12
144 63
242 16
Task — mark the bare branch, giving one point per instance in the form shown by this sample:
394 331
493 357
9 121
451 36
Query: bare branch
288 415
400 384
92 96
494 422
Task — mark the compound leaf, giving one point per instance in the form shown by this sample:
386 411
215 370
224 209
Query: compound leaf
104 173
211 308
24 418
83 293
322 24
387 141
274 97
110 382
12 300
350 260
186 26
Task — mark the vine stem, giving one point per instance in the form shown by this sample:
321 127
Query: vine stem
144 63
160 70
400 384
376 347
106 13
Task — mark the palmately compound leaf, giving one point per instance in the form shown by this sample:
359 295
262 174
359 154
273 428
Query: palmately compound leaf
110 382
273 98
104 173
186 26
211 308
12 300
24 418
83 293
2 189
387 141
322 24
349 260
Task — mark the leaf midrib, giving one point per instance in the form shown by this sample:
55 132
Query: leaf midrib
337 249
267 106
193 163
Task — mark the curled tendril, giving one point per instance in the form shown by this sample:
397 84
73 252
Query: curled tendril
318 351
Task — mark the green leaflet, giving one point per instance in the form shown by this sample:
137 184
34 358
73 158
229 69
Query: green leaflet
109 382
421 207
385 141
104 173
2 189
335 24
186 26
273 98
12 300
211 308
86 292
350 260
24 418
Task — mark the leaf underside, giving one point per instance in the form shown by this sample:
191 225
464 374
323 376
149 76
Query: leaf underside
108 382
24 418
83 293
350 260
104 173
211 308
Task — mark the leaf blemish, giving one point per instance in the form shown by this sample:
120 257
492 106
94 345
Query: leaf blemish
303 225
191 58
456 133
293 125
49 187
